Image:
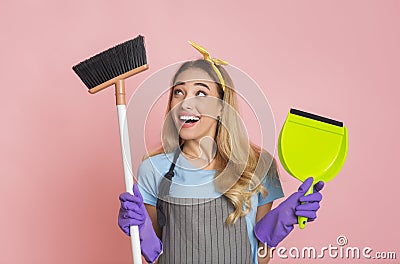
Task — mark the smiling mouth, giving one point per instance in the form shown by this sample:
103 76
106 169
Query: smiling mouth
189 118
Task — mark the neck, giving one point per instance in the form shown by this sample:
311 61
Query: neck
204 149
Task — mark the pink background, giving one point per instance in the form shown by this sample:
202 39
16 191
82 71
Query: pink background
61 170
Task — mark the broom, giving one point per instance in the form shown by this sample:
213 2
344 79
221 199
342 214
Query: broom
112 67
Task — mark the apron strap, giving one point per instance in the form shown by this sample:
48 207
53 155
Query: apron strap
164 188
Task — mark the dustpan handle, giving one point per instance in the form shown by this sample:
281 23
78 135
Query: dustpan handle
301 219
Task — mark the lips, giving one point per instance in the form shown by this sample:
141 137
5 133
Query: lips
188 120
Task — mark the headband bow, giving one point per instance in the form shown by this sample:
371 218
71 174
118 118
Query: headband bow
214 62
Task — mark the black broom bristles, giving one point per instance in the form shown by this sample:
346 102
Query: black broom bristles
112 62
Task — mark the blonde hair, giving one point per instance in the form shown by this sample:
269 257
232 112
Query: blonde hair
240 164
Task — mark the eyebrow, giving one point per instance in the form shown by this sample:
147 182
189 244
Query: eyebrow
202 84
196 84
178 83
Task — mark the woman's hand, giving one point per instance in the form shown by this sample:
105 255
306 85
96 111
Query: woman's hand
279 222
133 212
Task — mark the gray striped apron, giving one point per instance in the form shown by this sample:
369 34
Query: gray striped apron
195 232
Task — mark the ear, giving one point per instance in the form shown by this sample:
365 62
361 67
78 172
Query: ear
220 109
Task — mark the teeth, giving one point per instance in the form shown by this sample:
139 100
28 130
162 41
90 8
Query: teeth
195 118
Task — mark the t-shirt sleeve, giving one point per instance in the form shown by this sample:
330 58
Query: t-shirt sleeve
147 182
272 183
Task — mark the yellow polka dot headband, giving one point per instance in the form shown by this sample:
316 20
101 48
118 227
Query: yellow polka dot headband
214 62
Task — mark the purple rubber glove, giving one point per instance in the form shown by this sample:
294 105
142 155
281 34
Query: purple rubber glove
279 222
133 212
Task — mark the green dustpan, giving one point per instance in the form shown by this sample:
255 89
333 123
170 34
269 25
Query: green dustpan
312 146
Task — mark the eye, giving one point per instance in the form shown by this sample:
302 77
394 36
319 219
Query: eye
178 92
201 93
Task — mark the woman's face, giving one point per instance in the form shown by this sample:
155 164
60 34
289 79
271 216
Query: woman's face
195 104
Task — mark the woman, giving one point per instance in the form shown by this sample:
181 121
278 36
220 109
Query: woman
206 195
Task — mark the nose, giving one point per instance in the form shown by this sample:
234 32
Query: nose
187 103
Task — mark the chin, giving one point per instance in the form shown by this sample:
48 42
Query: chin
188 136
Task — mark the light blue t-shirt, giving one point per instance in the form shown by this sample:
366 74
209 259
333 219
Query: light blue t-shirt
192 182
